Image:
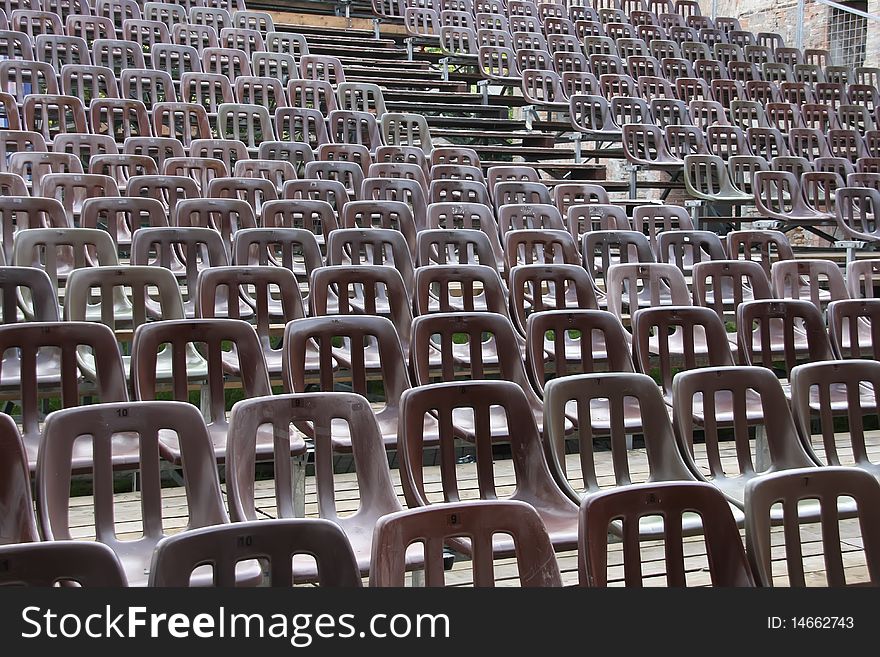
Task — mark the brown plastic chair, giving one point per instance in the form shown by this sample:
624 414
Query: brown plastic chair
277 172
485 402
275 543
352 290
169 190
461 246
819 281
225 215
828 391
91 83
862 277
851 326
824 487
295 249
32 166
331 191
66 338
350 174
373 334
182 121
762 246
451 288
857 212
476 521
123 298
51 563
470 216
564 342
672 503
386 214
17 523
544 246
72 189
58 251
522 216
121 167
20 78
179 336
450 190
157 148
208 89
771 330
491 343
723 285
603 248
143 423
229 151
329 419
682 338
25 212
372 246
316 216
201 169
541 288
643 284
687 248
185 251
398 189
719 397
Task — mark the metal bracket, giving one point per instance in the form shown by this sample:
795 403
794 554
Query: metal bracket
767 224
444 63
409 48
850 246
530 115
576 139
483 86
376 22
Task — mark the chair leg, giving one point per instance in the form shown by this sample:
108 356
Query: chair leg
298 484
762 449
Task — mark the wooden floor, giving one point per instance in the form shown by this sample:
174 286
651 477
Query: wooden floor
128 515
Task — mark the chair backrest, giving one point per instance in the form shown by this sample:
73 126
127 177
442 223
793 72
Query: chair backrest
478 400
17 522
477 521
68 337
275 543
736 397
179 336
539 288
374 290
723 285
808 279
372 246
361 332
319 415
853 326
45 564
827 486
141 423
631 505
819 389
645 283
770 328
467 288
683 337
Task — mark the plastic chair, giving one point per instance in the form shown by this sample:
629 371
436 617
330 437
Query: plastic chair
822 486
373 246
819 281
126 298
737 397
762 246
484 401
851 327
830 390
322 416
479 522
25 212
372 334
275 543
672 502
179 336
856 213
46 564
723 285
541 288
30 338
17 524
355 290
143 423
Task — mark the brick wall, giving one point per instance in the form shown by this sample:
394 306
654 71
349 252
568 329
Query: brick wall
781 16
